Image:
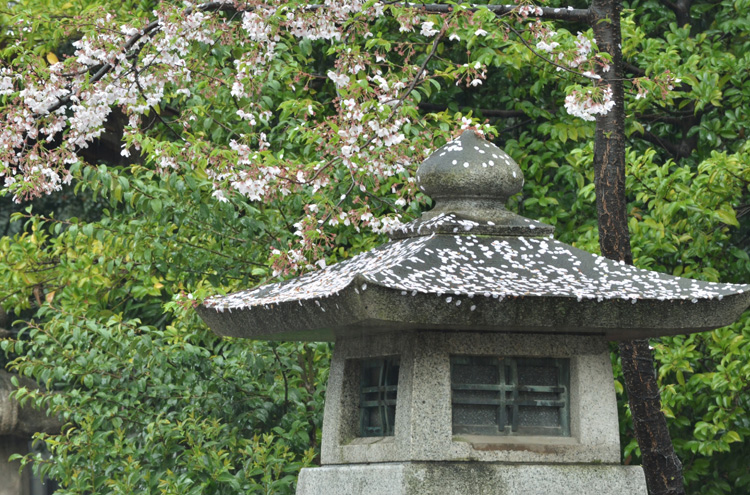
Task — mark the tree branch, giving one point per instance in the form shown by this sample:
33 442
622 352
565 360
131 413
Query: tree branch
677 119
394 108
682 149
535 52
634 69
488 112
561 14
681 9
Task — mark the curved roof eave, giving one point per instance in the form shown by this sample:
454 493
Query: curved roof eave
500 284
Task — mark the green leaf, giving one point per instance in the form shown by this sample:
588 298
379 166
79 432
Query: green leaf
728 217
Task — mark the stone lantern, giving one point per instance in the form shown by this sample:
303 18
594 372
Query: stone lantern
17 426
471 350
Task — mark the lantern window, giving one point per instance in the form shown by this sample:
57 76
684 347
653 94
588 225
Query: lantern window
510 396
377 398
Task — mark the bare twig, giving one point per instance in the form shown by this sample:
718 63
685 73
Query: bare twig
489 112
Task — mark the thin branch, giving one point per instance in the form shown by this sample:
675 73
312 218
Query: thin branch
633 68
669 119
681 149
562 14
231 132
520 124
422 68
399 103
488 112
156 113
546 59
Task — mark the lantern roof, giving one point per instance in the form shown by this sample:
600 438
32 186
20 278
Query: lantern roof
470 264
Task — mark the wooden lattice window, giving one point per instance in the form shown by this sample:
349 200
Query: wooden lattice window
377 397
510 396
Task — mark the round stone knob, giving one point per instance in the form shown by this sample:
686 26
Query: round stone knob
469 172
470 180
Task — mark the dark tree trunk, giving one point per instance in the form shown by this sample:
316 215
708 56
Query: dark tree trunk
662 466
609 140
660 463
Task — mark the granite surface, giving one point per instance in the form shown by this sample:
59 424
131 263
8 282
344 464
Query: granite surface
456 478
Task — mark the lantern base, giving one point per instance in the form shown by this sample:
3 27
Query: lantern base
478 478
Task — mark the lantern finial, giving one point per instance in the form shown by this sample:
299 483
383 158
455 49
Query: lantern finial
470 180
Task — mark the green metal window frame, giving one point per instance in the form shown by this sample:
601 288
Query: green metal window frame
377 397
499 395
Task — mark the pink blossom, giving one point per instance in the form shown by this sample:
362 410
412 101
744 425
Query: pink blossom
340 80
526 10
547 47
428 29
583 49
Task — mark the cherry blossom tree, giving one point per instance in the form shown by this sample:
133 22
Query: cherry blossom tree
59 110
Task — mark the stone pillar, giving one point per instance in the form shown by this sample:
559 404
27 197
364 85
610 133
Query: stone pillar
22 421
17 425
13 482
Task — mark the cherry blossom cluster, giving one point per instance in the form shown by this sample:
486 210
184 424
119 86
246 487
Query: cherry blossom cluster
659 85
527 10
28 167
580 57
590 103
61 102
471 75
